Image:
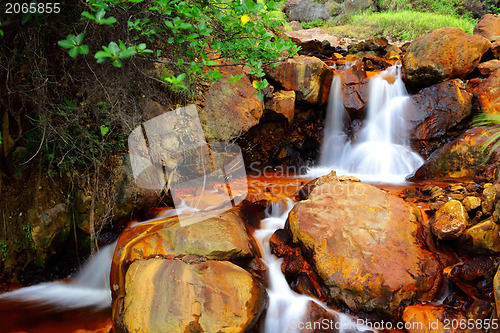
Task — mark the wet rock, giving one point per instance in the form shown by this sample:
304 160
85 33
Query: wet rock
313 40
434 110
488 26
460 159
489 194
283 102
306 190
355 90
309 77
317 319
427 60
470 203
450 221
482 238
474 276
279 241
428 318
488 95
350 230
173 296
486 68
231 108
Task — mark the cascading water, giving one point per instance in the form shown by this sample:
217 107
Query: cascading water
381 152
287 309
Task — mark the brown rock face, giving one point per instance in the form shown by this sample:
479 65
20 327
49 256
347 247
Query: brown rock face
436 109
482 238
312 40
283 102
231 108
495 48
488 26
462 158
173 296
309 77
445 53
428 318
488 94
355 90
364 244
486 68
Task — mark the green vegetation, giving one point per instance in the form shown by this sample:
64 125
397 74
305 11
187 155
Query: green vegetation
3 251
401 25
492 120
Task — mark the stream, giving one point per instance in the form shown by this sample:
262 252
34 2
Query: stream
379 154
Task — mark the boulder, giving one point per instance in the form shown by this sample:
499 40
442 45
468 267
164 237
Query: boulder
488 27
313 40
429 318
482 238
489 195
450 221
224 237
364 244
295 25
231 108
487 94
436 109
446 53
183 296
283 102
355 90
495 49
355 6
470 203
307 10
461 159
309 77
486 68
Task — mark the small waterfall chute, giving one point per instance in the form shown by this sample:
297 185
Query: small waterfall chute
381 151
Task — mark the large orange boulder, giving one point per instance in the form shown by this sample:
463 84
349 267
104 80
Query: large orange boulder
309 77
488 94
488 26
445 53
231 108
365 245
462 159
172 296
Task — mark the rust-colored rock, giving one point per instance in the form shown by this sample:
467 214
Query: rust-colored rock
435 110
312 40
459 159
445 53
474 277
488 94
309 77
486 68
488 26
482 238
364 244
428 318
231 108
283 102
175 296
355 90
224 237
450 221
495 49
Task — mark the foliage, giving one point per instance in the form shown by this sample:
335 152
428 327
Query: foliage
404 25
493 121
313 24
202 33
3 251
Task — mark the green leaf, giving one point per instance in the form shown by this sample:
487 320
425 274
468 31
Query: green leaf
127 53
79 39
260 96
84 49
104 130
88 16
64 43
73 52
109 21
100 14
117 63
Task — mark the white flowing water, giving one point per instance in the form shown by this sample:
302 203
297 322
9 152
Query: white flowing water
287 309
381 153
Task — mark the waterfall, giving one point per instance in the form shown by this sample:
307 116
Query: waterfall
381 151
287 309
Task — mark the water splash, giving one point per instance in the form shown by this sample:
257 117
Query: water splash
381 152
287 309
